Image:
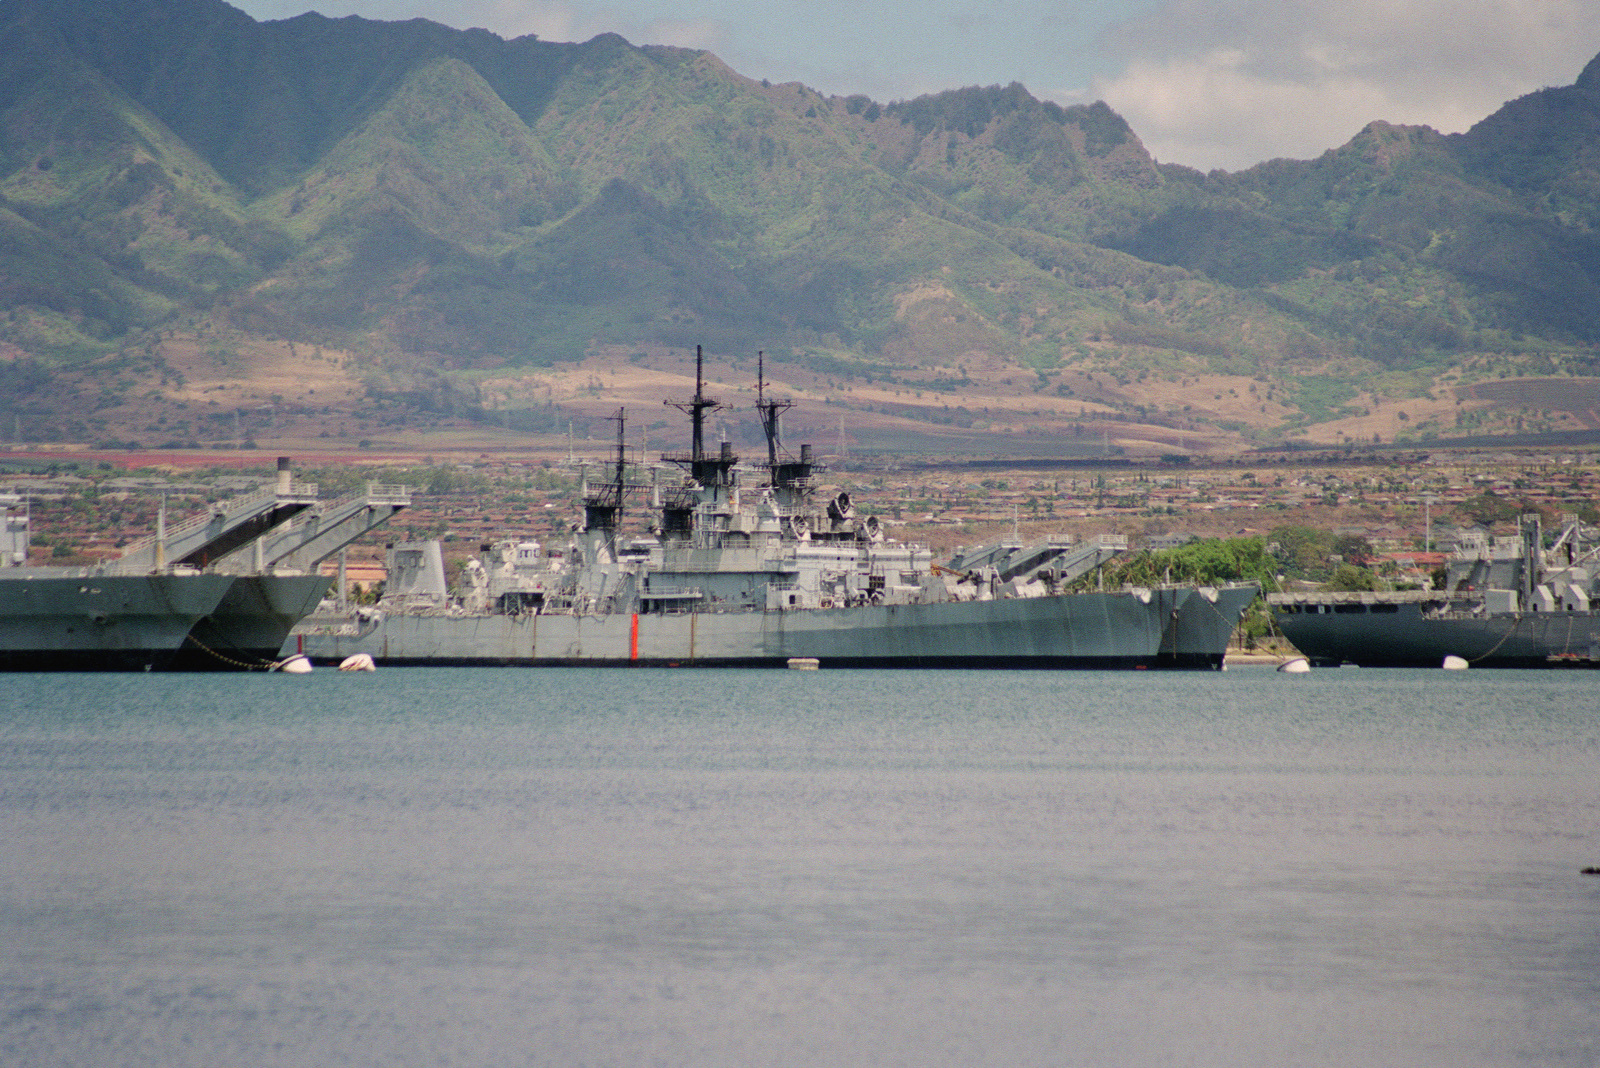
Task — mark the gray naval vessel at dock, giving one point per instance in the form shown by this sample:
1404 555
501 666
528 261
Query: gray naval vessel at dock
765 574
219 591
1506 603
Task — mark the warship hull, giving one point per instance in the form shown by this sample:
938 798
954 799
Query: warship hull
219 591
1380 632
251 623
1162 628
56 621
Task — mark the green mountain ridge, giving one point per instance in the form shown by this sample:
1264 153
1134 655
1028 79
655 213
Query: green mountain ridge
464 204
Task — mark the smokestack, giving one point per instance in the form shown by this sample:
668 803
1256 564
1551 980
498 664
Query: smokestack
805 454
285 475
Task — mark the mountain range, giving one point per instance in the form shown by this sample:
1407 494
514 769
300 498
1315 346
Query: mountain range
193 202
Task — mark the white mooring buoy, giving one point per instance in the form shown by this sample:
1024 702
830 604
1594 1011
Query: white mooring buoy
1454 663
358 662
295 665
1296 666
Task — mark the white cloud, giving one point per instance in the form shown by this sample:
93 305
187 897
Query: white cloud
1227 83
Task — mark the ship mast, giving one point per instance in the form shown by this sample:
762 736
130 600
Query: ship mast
618 483
785 474
770 411
705 471
602 509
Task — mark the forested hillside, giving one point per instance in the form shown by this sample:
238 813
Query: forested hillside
447 210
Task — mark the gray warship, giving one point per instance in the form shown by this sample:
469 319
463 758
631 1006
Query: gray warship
1509 603
766 574
219 591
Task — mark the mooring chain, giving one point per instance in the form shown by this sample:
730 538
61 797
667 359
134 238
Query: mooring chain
264 665
1503 639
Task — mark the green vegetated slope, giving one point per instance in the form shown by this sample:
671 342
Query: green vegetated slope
471 202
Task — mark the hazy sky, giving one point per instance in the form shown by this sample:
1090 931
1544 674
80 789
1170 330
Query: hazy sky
1208 83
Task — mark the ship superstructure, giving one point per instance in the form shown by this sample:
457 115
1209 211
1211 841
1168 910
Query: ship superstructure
751 565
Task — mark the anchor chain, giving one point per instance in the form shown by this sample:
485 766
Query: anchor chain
262 665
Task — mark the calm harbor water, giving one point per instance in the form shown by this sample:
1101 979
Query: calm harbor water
576 867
